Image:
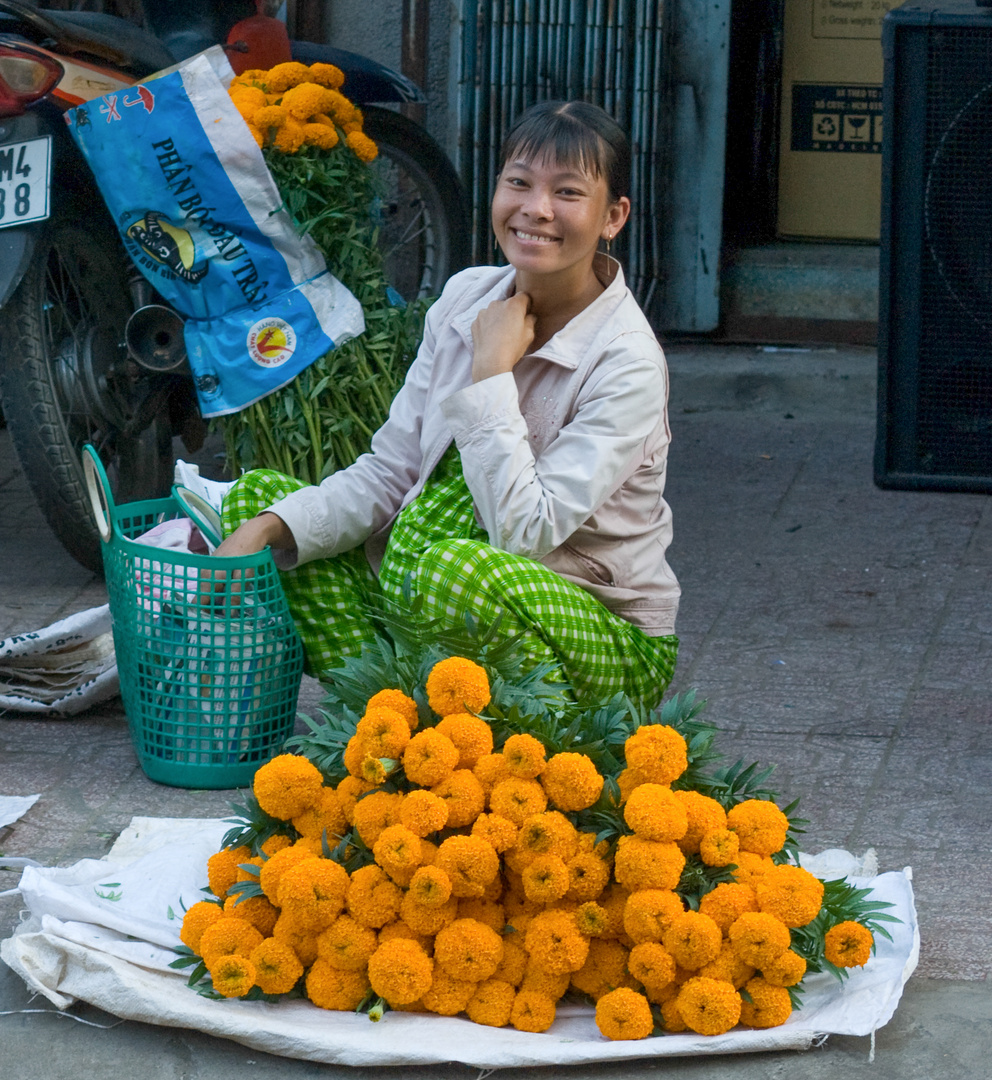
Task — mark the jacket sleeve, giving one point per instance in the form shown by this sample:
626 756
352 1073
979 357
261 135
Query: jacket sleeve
530 505
350 505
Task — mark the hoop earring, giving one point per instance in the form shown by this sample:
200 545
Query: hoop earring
608 239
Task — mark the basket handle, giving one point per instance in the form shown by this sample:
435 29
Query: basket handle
98 486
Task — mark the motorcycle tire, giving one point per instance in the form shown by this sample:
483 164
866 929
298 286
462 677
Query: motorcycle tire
421 211
65 381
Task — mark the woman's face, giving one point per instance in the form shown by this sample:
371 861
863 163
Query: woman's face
548 218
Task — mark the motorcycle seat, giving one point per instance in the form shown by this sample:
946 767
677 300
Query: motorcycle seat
114 40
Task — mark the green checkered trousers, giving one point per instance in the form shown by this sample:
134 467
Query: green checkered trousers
437 546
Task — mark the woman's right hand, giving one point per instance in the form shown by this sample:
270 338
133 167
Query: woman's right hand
501 334
256 534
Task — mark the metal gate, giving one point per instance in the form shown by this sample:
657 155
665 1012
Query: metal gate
513 53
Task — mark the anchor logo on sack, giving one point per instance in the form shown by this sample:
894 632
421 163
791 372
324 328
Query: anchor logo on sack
167 244
271 342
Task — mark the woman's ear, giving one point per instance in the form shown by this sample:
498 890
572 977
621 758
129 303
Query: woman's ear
616 217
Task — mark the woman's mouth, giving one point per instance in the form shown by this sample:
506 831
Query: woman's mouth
533 238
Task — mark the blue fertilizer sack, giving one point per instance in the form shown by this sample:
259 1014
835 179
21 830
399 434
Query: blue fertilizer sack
202 219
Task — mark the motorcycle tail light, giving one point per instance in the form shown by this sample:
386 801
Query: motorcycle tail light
25 77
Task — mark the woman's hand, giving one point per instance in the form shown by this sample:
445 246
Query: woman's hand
265 530
501 334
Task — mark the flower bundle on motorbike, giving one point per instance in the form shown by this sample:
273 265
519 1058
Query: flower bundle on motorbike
466 841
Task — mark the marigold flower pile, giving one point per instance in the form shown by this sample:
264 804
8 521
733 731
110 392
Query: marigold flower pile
293 105
482 894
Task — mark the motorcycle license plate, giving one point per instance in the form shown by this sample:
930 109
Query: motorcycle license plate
25 169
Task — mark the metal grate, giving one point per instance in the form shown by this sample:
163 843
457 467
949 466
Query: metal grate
514 53
954 410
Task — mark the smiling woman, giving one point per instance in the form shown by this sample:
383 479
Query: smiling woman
520 474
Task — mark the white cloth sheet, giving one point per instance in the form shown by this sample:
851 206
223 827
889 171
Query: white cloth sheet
101 931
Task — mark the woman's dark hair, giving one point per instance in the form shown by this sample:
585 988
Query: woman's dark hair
573 133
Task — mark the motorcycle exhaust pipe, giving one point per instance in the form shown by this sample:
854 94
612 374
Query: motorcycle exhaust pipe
154 338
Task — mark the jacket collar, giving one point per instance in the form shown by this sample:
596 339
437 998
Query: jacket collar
568 346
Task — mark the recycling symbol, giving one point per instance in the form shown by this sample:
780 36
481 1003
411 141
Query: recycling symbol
825 126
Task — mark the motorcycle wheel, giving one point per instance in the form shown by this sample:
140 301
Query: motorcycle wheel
421 212
66 381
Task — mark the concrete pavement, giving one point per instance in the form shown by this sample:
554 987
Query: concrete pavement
838 631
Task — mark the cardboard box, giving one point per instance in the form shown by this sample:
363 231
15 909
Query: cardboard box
830 161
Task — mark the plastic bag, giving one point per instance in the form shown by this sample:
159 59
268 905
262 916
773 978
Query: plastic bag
202 219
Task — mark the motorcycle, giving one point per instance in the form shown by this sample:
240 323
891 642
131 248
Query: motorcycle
88 354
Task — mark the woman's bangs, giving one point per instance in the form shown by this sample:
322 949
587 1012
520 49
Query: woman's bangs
559 140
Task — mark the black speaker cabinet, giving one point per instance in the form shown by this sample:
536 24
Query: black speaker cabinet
935 289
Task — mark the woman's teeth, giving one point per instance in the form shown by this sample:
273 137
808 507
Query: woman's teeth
533 236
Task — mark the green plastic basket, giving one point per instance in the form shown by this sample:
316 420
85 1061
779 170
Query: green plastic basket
209 673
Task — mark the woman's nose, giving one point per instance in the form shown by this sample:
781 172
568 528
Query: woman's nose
538 204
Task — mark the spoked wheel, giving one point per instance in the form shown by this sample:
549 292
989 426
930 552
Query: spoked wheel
421 210
66 380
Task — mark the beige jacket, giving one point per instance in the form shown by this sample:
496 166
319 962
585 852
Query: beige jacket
565 457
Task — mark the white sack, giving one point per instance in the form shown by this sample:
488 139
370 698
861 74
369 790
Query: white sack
76 946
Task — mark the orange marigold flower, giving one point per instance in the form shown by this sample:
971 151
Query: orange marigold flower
375 813
324 815
727 903
658 752
232 976
276 843
728 967
397 850
372 899
428 920
624 1014
671 1018
647 864
652 965
454 685
448 996
489 770
326 75
524 756
277 967
592 919
429 757
289 137
546 879
751 868
314 891
394 699
305 100
703 815
196 920
430 887
488 912
346 944
281 77
720 847
588 876
269 117
790 893
605 969
222 869
554 942
693 939
571 781
320 135
254 909
349 791
464 795
384 732
492 1003
423 812
549 833
786 970
471 734
760 826
649 913
628 781
229 936
330 988
247 100
613 900
274 867
468 950
769 1005
400 929
849 944
499 832
245 872
257 135
514 963
287 785
469 862
758 939
517 799
532 1011
539 981
298 936
401 972
708 1006
654 813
